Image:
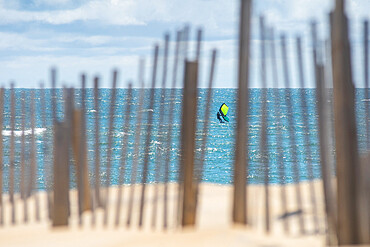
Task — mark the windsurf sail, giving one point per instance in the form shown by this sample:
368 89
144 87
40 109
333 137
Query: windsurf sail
224 109
222 113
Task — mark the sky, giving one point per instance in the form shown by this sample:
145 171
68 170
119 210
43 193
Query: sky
97 36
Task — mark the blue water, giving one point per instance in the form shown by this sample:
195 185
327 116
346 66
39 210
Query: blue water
218 163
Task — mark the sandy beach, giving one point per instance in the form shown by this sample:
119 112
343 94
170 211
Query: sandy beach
213 228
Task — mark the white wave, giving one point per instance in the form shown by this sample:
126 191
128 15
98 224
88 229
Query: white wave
122 133
147 110
365 100
26 132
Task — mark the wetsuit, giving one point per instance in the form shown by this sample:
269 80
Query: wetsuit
219 117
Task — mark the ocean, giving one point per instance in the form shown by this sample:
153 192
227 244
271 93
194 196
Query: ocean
220 146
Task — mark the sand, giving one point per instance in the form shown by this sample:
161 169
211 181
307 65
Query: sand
213 228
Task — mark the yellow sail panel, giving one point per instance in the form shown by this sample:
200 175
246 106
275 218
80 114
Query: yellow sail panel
224 109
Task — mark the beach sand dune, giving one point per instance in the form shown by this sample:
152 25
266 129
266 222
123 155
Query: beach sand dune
213 228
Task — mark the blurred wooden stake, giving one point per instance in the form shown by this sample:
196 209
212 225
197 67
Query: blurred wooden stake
123 162
68 119
34 167
110 143
241 164
82 179
97 143
306 133
1 156
279 139
137 143
159 152
169 131
264 124
188 142
45 139
61 174
366 81
200 160
12 152
292 135
345 130
23 160
148 136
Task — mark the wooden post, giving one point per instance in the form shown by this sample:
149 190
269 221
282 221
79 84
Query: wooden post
33 151
304 111
110 143
292 138
23 160
12 151
158 163
185 40
188 142
263 140
363 178
79 153
97 142
345 130
148 136
137 143
68 122
84 175
61 174
1 156
280 137
241 164
199 43
79 147
201 159
127 110
169 130
323 112
366 80
178 207
366 180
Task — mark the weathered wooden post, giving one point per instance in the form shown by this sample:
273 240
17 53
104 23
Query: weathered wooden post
324 122
34 166
263 141
366 80
45 140
188 143
123 161
97 143
148 135
110 143
345 130
203 145
61 175
280 137
169 130
240 165
292 134
137 143
23 160
304 113
12 152
79 150
159 154
1 155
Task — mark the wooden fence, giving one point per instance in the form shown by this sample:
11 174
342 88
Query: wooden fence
76 178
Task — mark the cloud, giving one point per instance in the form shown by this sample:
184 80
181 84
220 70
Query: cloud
214 15
95 35
99 10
